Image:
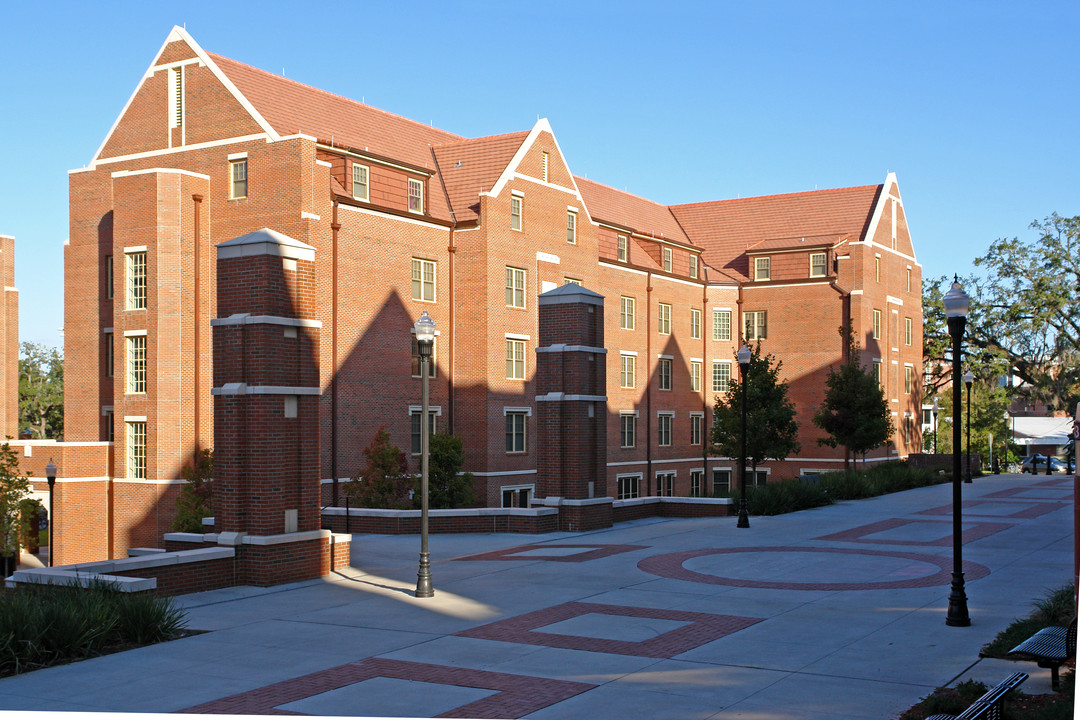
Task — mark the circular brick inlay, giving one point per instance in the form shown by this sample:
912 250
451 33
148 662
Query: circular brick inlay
672 566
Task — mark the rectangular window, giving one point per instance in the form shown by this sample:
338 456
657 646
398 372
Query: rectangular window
515 359
817 264
629 487
877 269
239 186
721 325
627 374
414 420
695 429
544 165
721 481
623 250
663 430
136 450
909 279
109 354
878 375
515 213
433 367
571 228
135 263
423 280
571 281
762 268
695 324
136 364
627 430
909 378
416 196
626 313
667 259
663 324
877 325
360 182
757 325
109 431
665 484
693 266
108 277
721 376
515 287
907 331
665 373
695 483
515 432
176 97
517 497
695 376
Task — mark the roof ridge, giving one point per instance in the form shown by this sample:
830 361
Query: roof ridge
465 141
282 78
624 192
779 195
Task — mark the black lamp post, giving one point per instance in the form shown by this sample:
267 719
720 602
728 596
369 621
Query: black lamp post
969 377
425 340
956 310
935 424
50 475
744 361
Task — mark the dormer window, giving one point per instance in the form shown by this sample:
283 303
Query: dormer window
416 196
667 259
693 266
762 268
360 182
817 264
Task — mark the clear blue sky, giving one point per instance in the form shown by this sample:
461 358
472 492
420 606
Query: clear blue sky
974 105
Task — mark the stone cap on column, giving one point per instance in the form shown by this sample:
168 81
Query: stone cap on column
265 242
571 293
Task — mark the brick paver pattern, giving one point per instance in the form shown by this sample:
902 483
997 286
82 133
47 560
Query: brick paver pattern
1034 509
975 531
598 551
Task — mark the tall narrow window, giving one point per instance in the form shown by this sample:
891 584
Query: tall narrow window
695 324
135 270
414 421
109 353
515 359
136 364
176 97
627 430
515 212
695 429
909 279
423 280
108 277
721 325
665 373
721 375
695 483
109 431
136 450
416 196
515 432
515 287
544 165
721 481
571 228
762 268
360 182
663 429
877 269
623 249
878 375
909 378
626 313
817 264
238 188
693 266
877 325
695 375
907 331
628 371
433 367
667 259
665 484
663 322
757 325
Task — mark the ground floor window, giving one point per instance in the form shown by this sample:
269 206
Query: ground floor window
517 496
665 484
136 450
721 481
695 482
629 487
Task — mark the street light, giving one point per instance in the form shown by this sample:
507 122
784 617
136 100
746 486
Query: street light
956 310
935 424
969 377
744 517
425 340
50 475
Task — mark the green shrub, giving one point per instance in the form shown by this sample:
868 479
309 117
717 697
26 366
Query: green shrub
785 496
196 499
1054 609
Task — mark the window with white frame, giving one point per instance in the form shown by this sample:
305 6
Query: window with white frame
878 374
762 268
414 420
696 422
176 97
665 484
629 486
628 372
571 227
909 279
571 281
721 480
695 324
515 431
693 266
626 313
721 325
877 325
721 376
515 359
663 429
135 270
109 349
663 320
877 268
907 331
360 182
664 372
416 196
515 287
623 249
817 264
757 325
109 430
909 379
423 280
695 375
544 165
667 259
238 170
518 496
515 212
695 483
627 430
136 364
433 366
136 450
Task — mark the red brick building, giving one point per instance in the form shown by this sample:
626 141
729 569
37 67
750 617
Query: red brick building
405 218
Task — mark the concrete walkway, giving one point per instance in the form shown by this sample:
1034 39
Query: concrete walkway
837 612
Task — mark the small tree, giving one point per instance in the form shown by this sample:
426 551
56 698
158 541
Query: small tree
196 499
855 412
13 488
41 390
384 481
771 430
448 487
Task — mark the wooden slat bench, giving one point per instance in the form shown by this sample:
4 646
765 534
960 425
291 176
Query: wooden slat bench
1050 648
988 707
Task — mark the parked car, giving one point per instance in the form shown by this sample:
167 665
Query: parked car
1056 466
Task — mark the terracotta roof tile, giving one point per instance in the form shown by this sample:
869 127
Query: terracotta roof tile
470 167
630 211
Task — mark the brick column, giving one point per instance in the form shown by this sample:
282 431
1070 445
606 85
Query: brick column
571 405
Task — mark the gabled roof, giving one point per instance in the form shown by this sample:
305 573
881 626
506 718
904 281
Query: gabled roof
637 214
470 167
727 228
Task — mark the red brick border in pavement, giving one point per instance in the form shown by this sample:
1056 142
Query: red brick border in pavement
517 695
1063 481
1013 493
599 551
671 566
975 531
1035 509
702 628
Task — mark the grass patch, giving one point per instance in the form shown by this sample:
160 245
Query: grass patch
42 625
1017 705
1054 609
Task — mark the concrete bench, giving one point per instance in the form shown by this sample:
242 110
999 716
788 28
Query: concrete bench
989 705
1050 648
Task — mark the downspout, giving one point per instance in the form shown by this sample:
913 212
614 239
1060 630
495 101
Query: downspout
335 226
648 385
197 204
705 436
451 252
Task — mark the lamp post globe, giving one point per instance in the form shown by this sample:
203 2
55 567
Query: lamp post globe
424 330
956 311
744 356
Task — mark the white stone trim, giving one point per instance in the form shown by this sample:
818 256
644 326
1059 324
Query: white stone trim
134 249
305 215
517 336
246 319
548 257
134 418
168 151
389 216
435 410
559 347
152 171
245 389
135 333
894 301
505 472
628 462
677 280
238 156
284 538
563 397
323 163
630 353
527 410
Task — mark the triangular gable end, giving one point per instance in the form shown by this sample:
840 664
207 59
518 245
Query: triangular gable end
515 165
167 56
882 217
